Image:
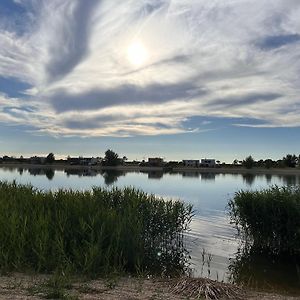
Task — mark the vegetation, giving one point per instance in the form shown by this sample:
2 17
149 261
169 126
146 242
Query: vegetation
248 162
94 232
50 158
112 158
269 219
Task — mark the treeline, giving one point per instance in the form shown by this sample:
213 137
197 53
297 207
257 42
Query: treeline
288 161
111 158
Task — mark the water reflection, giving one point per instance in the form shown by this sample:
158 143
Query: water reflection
191 174
268 178
155 175
48 172
249 178
208 176
111 176
81 172
256 269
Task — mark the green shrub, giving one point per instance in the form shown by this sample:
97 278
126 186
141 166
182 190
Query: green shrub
270 218
91 232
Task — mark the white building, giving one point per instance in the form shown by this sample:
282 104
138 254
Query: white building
210 163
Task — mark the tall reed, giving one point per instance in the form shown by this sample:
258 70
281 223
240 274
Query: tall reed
269 218
91 232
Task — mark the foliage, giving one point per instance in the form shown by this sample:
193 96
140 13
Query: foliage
290 160
91 232
248 162
50 158
270 218
111 158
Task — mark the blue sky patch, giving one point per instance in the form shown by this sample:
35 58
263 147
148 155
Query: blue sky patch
13 88
276 41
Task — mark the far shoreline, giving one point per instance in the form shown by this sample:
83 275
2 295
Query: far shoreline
215 170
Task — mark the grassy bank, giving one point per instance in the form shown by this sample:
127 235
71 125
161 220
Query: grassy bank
94 232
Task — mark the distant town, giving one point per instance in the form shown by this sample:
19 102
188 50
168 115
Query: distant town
112 159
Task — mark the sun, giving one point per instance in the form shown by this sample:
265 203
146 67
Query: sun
137 54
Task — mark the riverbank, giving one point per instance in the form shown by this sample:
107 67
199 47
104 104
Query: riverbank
22 286
128 168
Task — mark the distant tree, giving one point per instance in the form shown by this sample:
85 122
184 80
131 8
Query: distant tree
248 162
235 162
290 161
111 158
269 163
50 158
260 163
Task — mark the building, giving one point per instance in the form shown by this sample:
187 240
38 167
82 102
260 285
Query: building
209 163
37 160
193 163
155 161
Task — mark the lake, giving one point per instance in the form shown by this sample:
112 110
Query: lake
214 247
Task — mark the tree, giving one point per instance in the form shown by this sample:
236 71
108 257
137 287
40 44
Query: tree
290 160
269 163
111 158
248 162
50 158
235 162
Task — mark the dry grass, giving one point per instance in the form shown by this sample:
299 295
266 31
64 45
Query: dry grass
202 288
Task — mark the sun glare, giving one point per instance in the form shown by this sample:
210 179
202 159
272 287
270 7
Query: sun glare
137 54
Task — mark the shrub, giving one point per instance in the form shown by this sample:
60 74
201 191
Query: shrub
270 218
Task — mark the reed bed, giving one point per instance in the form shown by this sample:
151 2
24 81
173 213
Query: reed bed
93 232
269 219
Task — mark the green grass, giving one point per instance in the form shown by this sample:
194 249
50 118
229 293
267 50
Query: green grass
270 219
94 232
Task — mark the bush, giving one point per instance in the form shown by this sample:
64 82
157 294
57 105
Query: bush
92 232
270 218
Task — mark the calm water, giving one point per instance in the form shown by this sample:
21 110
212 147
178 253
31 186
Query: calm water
212 240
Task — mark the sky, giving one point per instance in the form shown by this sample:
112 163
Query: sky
180 79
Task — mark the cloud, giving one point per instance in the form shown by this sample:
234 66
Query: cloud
67 71
248 99
63 101
71 39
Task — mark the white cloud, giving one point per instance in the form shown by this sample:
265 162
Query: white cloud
233 59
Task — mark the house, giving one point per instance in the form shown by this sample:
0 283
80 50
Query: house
209 163
37 160
155 161
95 161
193 163
73 160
